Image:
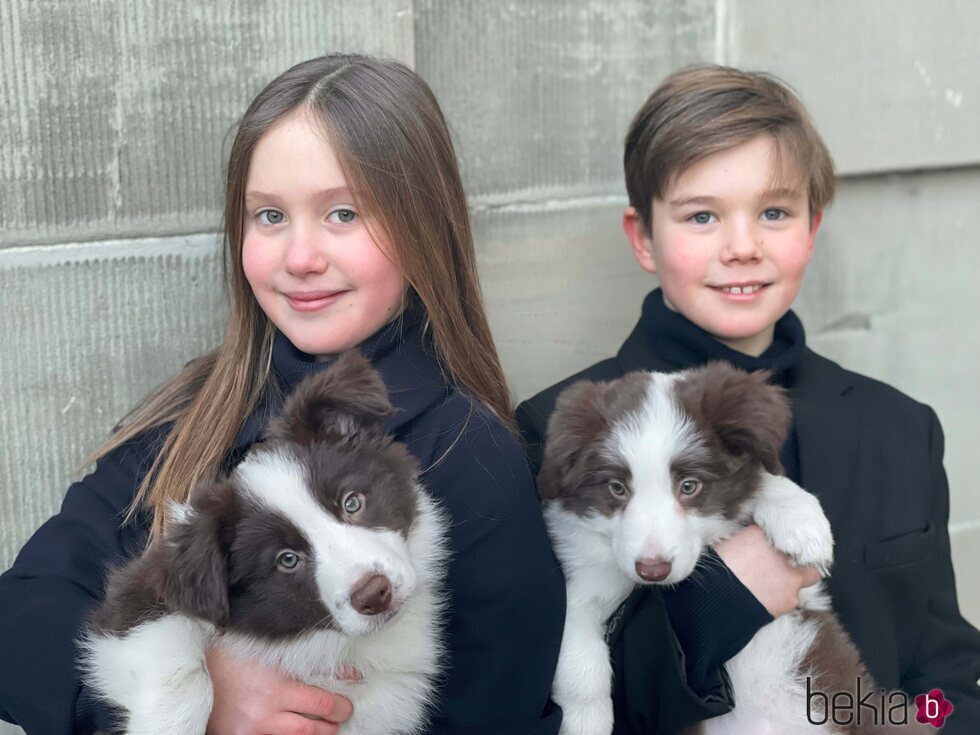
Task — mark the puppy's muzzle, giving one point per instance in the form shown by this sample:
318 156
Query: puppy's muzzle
371 595
652 569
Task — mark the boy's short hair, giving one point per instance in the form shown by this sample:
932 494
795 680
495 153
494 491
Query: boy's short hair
705 109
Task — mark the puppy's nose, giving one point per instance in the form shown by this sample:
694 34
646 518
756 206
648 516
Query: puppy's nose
652 569
372 595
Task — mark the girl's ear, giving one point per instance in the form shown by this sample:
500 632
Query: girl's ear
640 239
344 399
196 577
747 416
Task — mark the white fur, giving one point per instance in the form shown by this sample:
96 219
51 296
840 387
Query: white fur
598 554
156 671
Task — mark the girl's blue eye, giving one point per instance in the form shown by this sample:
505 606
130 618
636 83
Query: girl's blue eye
270 217
702 218
344 216
773 215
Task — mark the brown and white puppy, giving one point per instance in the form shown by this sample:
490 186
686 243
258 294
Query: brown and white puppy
641 475
318 554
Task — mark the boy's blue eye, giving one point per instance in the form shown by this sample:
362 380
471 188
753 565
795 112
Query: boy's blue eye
773 215
270 216
344 216
702 218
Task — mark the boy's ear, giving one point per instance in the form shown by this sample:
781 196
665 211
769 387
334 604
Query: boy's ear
196 578
347 397
640 238
815 221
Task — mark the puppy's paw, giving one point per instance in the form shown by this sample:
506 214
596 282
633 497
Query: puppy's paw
795 523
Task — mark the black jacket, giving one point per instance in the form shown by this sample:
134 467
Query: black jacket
507 593
873 457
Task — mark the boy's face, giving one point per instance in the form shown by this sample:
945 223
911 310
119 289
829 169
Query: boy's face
730 242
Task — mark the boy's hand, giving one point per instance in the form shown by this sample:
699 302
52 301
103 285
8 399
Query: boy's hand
250 699
767 573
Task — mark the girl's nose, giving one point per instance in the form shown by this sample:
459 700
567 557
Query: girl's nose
305 255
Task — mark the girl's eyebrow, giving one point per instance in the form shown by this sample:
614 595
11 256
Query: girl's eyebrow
253 195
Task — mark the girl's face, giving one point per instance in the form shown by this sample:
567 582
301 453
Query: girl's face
730 247
312 264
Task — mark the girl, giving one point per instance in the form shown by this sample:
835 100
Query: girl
345 226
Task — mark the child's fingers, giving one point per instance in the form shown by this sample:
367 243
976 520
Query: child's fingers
809 576
290 723
315 702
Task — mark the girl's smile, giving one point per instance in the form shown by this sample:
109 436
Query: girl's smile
308 253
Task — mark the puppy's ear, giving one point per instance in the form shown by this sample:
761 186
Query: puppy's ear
584 413
344 399
749 417
195 550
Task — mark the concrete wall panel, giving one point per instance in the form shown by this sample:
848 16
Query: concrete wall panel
561 287
890 85
540 94
113 115
89 330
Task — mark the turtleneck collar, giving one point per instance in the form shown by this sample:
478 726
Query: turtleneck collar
413 375
683 344
401 337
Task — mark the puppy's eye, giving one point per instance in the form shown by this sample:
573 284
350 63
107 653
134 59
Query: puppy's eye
353 503
617 488
287 560
690 486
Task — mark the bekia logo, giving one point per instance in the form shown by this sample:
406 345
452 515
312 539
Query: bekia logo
933 708
870 707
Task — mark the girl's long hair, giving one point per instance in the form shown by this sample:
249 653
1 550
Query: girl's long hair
387 129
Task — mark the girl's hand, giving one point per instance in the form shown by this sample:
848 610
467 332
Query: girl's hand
766 572
250 699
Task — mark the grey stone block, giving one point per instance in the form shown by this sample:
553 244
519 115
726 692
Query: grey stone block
539 94
114 115
891 86
90 329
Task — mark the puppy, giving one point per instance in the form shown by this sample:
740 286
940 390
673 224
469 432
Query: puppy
639 476
319 554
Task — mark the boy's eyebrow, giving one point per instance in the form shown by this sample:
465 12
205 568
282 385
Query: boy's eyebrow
685 200
781 193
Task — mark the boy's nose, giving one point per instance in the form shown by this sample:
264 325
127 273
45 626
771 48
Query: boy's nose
742 244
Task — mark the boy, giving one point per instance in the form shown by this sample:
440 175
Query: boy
727 181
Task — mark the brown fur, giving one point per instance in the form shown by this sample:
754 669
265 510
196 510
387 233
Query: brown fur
738 412
338 401
574 468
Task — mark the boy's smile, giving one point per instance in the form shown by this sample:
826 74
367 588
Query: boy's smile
730 240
